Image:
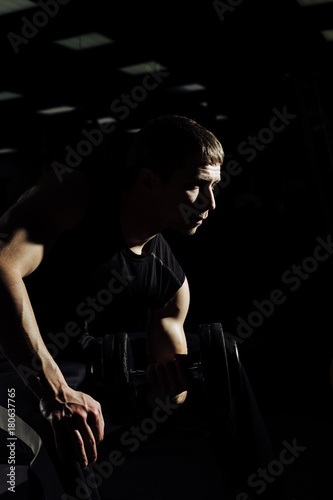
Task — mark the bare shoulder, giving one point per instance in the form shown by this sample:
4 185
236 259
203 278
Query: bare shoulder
30 227
61 204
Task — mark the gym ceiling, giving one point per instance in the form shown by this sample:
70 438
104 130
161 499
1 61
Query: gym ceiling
226 64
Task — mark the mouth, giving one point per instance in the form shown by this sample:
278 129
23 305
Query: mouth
197 220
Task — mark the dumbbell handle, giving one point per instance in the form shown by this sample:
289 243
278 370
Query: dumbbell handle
138 377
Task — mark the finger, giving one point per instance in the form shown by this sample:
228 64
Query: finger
89 442
96 423
79 447
59 435
78 422
75 424
179 398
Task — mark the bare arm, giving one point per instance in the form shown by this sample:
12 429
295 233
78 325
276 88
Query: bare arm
33 224
166 345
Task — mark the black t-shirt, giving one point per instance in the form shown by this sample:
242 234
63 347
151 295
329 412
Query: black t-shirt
91 281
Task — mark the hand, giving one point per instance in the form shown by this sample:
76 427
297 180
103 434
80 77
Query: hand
169 377
76 416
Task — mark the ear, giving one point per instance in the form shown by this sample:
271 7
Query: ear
147 179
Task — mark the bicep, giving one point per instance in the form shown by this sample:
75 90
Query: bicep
165 334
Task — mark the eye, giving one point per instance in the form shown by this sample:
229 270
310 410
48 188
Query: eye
192 187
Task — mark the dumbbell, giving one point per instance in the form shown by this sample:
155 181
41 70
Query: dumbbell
209 364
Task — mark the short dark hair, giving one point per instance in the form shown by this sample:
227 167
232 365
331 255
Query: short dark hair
165 142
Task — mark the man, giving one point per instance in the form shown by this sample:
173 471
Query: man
98 256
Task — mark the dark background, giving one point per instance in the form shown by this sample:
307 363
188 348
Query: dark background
254 58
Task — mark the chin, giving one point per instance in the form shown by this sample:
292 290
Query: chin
192 231
189 231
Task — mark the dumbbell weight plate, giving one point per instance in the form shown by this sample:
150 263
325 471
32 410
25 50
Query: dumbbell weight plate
234 366
215 367
120 393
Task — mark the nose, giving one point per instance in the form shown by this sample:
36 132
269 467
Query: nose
211 204
205 200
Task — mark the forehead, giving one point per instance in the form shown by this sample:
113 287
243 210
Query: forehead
199 170
207 172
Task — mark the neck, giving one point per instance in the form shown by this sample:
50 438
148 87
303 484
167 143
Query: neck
137 222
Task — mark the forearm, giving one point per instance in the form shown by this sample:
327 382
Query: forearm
21 342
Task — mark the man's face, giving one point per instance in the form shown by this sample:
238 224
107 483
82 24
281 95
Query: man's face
185 200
